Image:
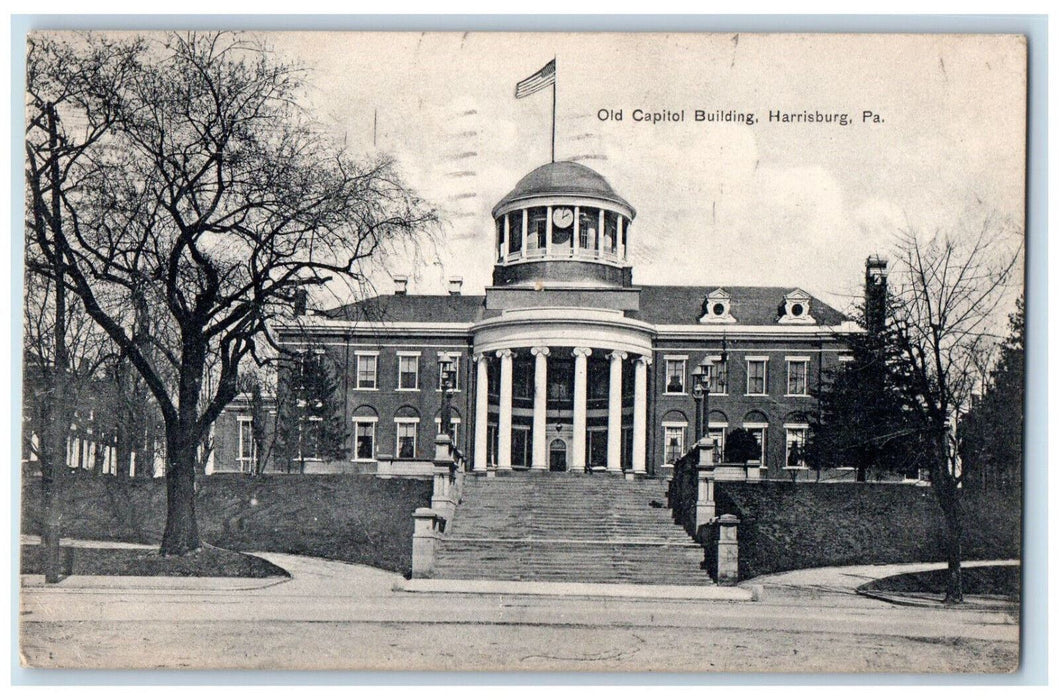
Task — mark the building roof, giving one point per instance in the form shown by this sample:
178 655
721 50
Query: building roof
659 305
562 178
420 308
750 306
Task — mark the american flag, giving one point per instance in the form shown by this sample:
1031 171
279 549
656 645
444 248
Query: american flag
538 81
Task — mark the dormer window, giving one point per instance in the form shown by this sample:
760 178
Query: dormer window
717 308
796 308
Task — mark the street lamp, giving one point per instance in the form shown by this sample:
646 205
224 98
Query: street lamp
700 389
447 367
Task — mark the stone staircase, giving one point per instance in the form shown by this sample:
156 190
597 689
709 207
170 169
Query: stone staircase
567 527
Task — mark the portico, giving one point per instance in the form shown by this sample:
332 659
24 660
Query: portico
561 389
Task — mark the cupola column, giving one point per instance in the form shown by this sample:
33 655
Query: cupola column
481 413
548 234
503 435
614 413
540 408
580 426
639 416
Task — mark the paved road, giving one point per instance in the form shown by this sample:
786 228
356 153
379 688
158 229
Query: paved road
339 616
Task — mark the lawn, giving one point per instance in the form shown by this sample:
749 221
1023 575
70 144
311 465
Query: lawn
351 518
97 561
789 526
1002 581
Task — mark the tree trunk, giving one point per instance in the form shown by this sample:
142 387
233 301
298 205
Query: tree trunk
948 494
181 527
53 462
59 413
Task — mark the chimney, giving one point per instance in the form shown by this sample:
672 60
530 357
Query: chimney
300 301
875 272
400 285
455 285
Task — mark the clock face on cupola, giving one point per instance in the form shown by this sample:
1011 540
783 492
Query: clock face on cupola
563 225
563 217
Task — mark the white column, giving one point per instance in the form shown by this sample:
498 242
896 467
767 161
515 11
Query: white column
614 413
577 230
503 434
577 457
639 417
540 408
548 233
506 245
599 233
481 414
618 248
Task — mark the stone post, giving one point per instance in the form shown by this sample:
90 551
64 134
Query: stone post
444 499
705 507
424 542
727 550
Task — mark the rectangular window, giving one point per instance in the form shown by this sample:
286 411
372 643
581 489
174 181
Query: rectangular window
797 377
675 375
407 372
455 429
597 447
365 437
514 224
537 235
796 436
674 442
756 369
455 367
760 436
587 228
716 431
367 371
406 438
610 233
246 444
717 376
520 446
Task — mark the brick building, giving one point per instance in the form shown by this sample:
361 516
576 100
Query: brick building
565 363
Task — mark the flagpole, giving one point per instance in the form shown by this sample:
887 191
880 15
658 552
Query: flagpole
555 80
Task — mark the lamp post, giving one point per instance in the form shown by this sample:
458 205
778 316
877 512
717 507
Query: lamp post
700 389
447 367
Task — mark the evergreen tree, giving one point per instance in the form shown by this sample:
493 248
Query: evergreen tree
991 433
862 420
740 447
310 416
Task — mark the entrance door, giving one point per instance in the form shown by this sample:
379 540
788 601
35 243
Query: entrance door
557 456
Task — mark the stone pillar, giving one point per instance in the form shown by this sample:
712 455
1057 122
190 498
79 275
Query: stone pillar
705 506
727 550
481 414
614 413
503 430
424 542
540 408
639 417
580 426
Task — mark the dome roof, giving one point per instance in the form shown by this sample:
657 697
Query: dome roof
562 178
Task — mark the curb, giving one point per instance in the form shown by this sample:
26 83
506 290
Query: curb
575 589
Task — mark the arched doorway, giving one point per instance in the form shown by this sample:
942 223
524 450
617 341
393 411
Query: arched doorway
557 456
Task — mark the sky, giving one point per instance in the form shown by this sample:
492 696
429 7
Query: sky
770 203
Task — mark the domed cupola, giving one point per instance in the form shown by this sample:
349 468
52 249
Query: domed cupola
562 224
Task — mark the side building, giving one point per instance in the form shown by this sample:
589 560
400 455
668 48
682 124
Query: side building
564 364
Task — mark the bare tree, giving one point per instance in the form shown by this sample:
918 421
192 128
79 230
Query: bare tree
62 83
216 201
945 317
